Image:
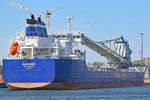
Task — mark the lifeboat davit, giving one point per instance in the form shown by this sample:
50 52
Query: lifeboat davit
14 48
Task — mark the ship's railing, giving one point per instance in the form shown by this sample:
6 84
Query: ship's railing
114 70
135 68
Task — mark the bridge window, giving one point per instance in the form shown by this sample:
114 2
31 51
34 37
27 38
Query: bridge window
31 28
58 36
54 36
78 36
64 36
69 36
74 36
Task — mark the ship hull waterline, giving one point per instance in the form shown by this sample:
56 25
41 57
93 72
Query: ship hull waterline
69 86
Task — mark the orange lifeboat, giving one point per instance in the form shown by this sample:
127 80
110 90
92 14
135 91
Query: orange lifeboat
13 48
1 80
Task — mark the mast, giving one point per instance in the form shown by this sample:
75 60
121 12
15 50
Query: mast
48 14
142 48
69 25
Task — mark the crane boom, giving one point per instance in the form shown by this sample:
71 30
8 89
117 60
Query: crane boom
113 57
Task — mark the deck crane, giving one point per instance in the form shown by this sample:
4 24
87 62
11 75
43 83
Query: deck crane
119 57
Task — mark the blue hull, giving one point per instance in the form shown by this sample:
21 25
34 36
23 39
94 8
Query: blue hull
60 71
77 71
28 71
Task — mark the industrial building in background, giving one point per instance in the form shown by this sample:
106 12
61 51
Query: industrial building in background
147 62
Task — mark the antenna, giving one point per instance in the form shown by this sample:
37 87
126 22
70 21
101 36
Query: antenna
21 7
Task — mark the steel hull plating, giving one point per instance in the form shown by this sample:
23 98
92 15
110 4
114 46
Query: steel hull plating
91 85
64 74
74 74
28 74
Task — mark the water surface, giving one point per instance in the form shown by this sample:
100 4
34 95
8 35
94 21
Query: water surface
120 93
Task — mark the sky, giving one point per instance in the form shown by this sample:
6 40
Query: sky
98 19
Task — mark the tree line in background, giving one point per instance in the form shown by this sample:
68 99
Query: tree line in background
96 63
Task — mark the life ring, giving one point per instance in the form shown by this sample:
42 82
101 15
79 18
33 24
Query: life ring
14 48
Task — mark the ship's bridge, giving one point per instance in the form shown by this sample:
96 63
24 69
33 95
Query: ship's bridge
35 27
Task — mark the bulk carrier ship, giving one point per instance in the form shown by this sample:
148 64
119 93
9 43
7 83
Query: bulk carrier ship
48 60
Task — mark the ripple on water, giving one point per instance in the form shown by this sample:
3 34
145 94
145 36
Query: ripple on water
121 93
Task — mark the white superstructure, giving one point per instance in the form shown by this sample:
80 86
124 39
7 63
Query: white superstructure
36 43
